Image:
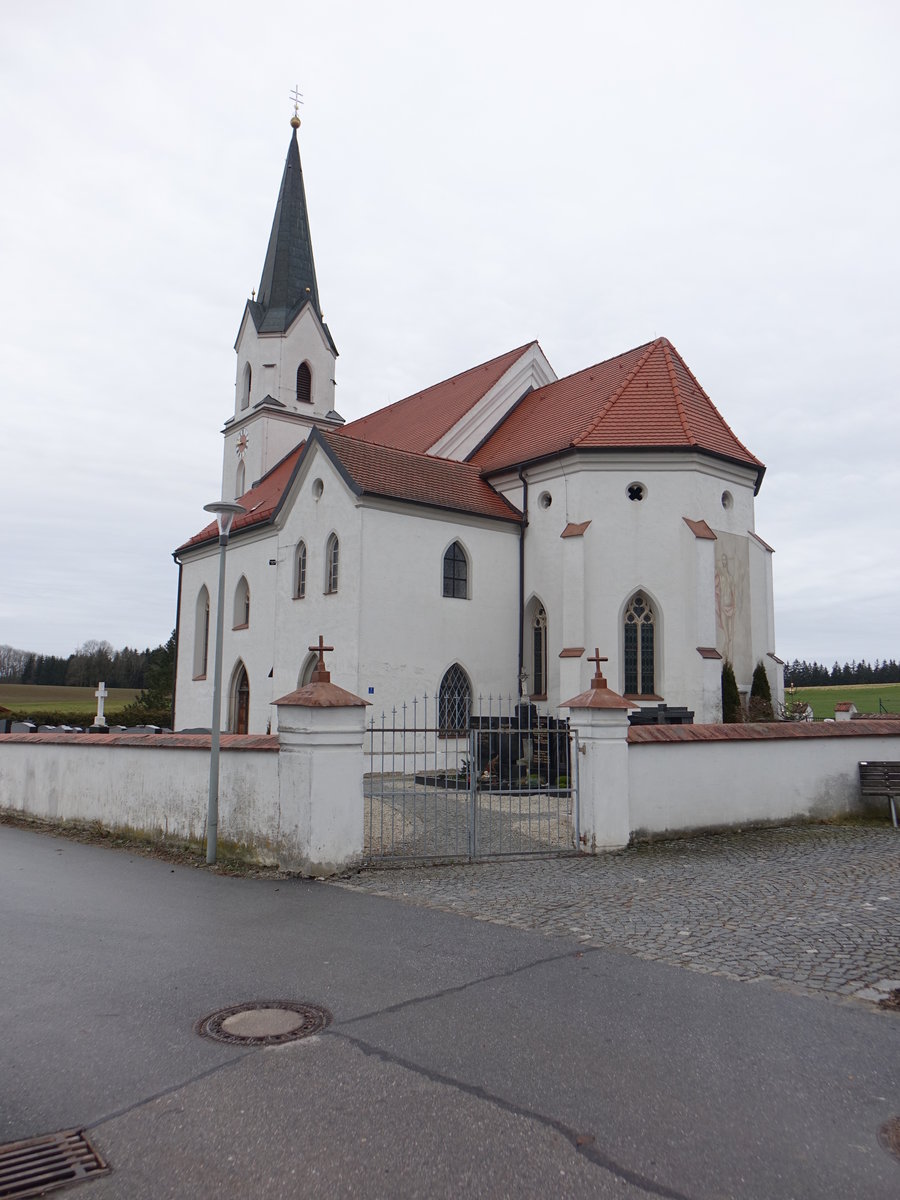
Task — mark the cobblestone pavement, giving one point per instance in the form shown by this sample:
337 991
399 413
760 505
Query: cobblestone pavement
814 908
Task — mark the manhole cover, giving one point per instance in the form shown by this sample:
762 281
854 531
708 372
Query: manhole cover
264 1022
889 1136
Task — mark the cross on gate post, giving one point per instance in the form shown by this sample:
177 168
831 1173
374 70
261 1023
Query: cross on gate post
101 694
598 681
320 675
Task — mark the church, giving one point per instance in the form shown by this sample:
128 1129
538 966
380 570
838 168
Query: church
477 538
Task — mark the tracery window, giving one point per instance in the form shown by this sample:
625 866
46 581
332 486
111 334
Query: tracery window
454 701
304 384
332 560
639 647
539 651
300 572
456 572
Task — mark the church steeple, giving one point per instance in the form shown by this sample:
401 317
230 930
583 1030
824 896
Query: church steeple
285 353
289 273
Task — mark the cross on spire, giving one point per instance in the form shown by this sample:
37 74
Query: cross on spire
297 97
320 675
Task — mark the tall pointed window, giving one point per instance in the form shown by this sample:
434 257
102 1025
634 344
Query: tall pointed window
456 572
639 647
242 604
304 384
239 716
300 572
332 560
201 634
245 386
454 702
539 651
240 480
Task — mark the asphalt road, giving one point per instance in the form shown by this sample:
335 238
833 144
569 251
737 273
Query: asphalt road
464 1057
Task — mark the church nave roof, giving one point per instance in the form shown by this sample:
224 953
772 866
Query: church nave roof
646 398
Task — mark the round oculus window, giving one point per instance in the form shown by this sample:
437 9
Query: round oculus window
545 499
727 500
318 488
636 491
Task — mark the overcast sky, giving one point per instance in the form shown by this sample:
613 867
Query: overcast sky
478 174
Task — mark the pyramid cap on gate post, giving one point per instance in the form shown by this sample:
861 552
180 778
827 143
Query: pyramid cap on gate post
320 692
600 695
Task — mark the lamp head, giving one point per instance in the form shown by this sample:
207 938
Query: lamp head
224 511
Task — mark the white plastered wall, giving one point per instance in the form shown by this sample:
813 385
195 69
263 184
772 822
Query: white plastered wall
630 546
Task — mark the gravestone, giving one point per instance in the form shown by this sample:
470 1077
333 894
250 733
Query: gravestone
101 694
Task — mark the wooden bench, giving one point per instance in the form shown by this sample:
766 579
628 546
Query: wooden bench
881 779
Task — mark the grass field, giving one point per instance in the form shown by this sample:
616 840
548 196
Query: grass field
864 695
20 697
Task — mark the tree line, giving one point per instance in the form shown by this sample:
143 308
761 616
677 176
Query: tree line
804 674
86 667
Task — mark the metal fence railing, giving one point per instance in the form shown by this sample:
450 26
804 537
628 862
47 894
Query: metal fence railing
503 785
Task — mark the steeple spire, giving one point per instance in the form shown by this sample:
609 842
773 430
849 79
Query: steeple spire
289 273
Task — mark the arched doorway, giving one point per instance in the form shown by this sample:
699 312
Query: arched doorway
240 701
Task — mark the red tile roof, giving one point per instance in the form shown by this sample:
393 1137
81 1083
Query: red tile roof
373 470
643 399
260 502
420 420
418 478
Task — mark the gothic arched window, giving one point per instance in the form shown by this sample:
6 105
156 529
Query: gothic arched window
539 651
639 647
304 384
240 479
454 701
332 561
242 604
239 717
201 634
245 386
300 572
456 572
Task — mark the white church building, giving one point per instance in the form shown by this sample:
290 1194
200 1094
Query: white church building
478 538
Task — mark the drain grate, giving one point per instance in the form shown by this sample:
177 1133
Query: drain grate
41 1164
264 1022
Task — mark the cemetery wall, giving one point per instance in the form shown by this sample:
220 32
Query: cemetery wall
686 777
156 784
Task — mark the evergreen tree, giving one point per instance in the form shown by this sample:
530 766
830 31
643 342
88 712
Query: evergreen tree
732 713
761 696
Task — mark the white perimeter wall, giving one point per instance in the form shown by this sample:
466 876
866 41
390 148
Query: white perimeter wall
151 788
719 779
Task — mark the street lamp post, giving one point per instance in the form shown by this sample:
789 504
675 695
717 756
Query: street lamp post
225 512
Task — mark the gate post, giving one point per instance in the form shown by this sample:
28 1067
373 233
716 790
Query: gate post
600 718
320 773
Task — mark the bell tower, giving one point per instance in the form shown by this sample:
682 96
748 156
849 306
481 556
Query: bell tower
285 353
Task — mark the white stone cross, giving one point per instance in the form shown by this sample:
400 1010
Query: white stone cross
101 694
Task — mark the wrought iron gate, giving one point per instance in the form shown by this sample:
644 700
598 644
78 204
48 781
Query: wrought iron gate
504 784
